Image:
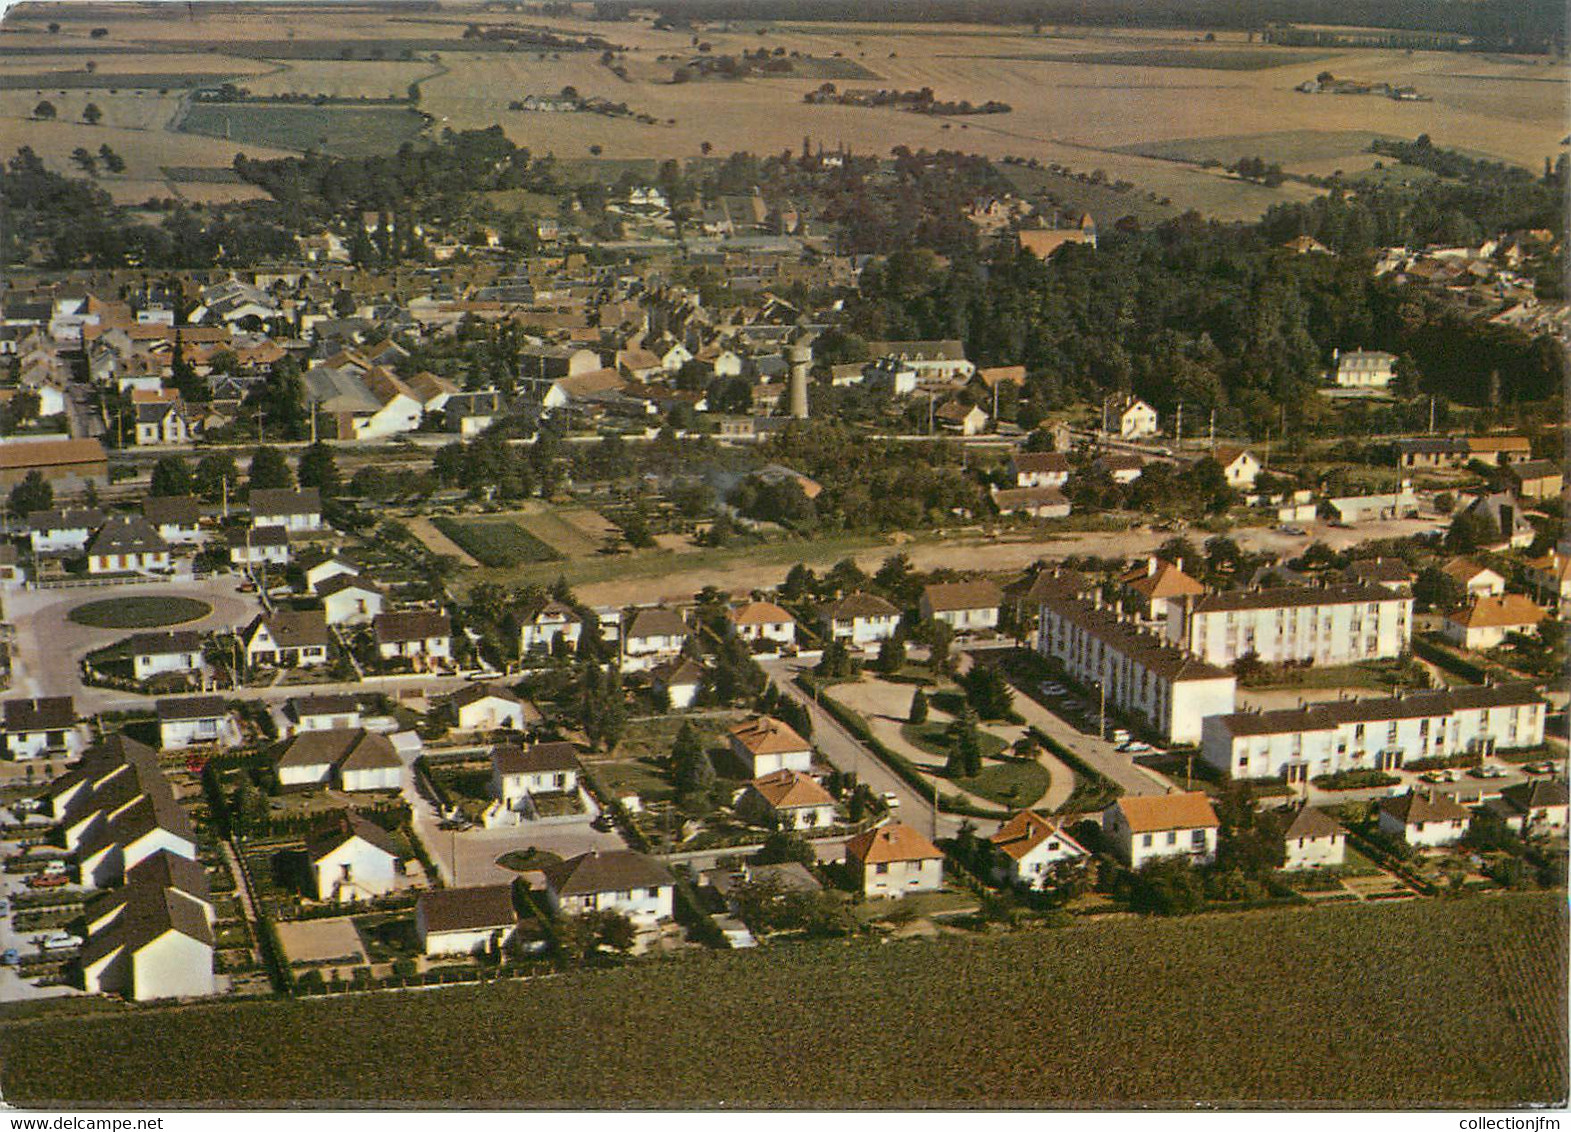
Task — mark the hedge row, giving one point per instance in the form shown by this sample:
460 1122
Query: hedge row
1102 791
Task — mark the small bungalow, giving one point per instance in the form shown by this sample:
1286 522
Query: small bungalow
353 860
789 800
1424 820
622 881
1145 827
764 745
465 921
1314 840
187 721
894 859
1028 849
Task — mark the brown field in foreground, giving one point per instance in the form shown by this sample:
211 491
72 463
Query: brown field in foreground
1153 89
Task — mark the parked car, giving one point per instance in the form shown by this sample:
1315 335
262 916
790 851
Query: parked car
10 957
1540 768
891 799
1134 747
1288 529
1488 772
5 906
47 880
1120 735
1439 776
62 941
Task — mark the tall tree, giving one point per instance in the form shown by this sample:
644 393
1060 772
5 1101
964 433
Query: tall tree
34 493
269 469
172 476
319 469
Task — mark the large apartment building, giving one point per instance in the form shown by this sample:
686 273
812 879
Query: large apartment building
1335 624
1139 672
1337 735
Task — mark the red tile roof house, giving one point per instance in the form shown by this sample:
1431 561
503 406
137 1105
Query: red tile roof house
787 799
893 860
424 637
763 621
1145 827
764 745
1029 849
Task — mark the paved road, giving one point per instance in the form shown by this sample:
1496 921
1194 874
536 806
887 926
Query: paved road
847 753
1099 753
13 988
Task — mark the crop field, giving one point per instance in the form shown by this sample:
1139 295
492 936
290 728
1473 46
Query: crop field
1109 99
345 130
498 543
572 533
1453 1004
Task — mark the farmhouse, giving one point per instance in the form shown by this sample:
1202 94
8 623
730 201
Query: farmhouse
1424 820
357 758
966 607
153 654
45 726
1146 827
186 721
764 745
860 619
465 921
1028 849
286 638
353 860
893 859
622 881
1314 840
787 799
422 636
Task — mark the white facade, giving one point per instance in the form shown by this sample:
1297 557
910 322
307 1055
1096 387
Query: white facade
1325 852
865 630
542 630
897 878
173 965
145 665
175 733
1364 369
491 713
1383 734
1427 834
1135 670
968 620
637 904
371 778
352 605
1137 421
1329 625
355 870
1139 849
429 648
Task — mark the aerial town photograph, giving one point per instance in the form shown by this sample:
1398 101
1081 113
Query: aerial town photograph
784 555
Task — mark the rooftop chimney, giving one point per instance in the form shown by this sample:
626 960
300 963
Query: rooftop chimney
1151 566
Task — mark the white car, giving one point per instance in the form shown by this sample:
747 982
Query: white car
62 941
891 799
1134 746
1120 735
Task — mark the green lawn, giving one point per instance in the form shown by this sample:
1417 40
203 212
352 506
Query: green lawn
495 542
933 737
1014 785
139 612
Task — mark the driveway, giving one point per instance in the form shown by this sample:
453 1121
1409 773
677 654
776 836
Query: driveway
468 858
1099 753
13 988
